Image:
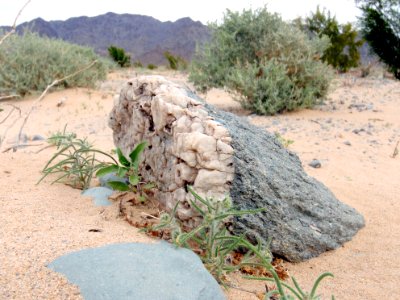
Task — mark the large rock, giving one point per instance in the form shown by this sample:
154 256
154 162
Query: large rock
138 271
192 143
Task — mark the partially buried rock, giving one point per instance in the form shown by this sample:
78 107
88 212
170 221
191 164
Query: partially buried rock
138 271
192 143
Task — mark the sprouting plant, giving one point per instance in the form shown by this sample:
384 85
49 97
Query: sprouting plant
61 137
295 292
128 168
74 162
285 142
211 238
215 245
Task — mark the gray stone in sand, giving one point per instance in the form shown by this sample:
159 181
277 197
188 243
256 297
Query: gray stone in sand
138 271
100 195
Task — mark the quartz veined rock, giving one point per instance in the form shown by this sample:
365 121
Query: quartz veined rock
218 153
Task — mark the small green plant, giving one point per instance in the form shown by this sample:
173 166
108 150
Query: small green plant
215 245
211 238
295 292
128 168
285 142
75 161
175 62
151 67
119 56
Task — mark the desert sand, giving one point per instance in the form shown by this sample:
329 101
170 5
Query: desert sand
353 135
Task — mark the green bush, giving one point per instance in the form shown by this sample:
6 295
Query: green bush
343 53
175 62
30 63
270 65
380 25
151 67
119 56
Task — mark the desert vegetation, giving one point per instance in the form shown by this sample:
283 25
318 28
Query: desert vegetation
343 51
29 63
270 66
119 56
380 25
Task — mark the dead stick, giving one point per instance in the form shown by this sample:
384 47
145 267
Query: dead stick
14 26
396 150
21 146
55 82
9 97
11 111
11 125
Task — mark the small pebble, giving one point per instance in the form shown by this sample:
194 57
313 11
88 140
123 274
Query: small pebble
38 137
347 143
315 163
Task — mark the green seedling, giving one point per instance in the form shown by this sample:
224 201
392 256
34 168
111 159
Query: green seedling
128 168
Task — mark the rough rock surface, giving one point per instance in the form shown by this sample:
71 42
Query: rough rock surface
192 143
138 271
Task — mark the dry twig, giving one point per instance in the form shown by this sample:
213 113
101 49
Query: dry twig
14 26
8 97
12 124
10 112
396 150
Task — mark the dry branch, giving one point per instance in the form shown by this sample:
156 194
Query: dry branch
8 97
12 124
396 150
14 26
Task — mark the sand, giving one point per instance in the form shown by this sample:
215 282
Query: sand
38 223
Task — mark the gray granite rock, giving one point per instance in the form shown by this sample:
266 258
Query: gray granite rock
99 194
138 271
303 218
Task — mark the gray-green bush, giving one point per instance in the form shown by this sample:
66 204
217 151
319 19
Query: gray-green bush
269 64
30 63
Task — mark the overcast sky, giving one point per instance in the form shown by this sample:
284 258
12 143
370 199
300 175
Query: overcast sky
164 10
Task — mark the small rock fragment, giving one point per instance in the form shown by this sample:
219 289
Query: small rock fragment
315 163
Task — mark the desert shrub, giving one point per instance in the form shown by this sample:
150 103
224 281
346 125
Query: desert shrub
30 63
138 64
380 25
343 52
175 62
270 65
151 67
119 56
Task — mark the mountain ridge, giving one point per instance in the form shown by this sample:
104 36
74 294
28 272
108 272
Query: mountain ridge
143 37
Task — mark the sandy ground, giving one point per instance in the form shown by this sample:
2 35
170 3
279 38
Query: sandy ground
353 136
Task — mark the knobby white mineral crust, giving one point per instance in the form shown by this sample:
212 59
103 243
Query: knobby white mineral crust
186 146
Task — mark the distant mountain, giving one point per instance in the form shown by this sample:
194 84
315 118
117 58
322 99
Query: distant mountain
145 38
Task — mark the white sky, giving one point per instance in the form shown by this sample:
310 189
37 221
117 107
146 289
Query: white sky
199 10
